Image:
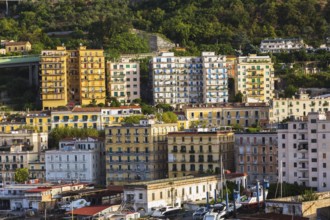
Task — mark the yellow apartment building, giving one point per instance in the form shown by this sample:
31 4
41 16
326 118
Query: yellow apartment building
137 152
88 117
39 121
8 127
72 77
114 115
91 76
53 89
244 114
199 152
255 78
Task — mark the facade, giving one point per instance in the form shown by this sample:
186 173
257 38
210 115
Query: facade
303 151
80 160
243 114
180 80
39 121
20 47
145 196
200 152
124 80
278 45
88 117
72 76
114 115
256 155
298 106
17 150
137 152
255 78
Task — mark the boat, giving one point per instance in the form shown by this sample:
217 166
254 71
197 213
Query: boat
80 203
199 213
167 211
251 197
212 216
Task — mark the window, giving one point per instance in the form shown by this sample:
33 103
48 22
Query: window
314 179
314 169
140 196
314 141
283 136
283 145
313 120
153 196
324 165
314 159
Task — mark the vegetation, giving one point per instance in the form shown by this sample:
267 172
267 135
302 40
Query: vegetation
66 132
169 117
222 26
309 195
287 190
134 119
21 175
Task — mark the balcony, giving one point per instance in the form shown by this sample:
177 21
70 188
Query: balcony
303 147
183 151
191 151
301 168
175 151
302 159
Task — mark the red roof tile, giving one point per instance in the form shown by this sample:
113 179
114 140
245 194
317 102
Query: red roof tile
37 190
90 210
123 107
87 109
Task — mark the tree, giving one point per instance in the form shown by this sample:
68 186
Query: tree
308 195
134 119
21 175
169 117
238 97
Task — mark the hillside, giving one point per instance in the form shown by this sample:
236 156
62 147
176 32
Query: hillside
220 25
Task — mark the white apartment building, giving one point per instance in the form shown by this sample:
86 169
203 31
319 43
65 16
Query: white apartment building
256 155
255 78
303 151
298 106
278 45
180 80
175 191
124 80
81 160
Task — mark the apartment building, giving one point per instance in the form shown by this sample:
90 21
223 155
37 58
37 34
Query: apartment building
137 152
244 114
124 80
298 106
256 155
114 115
72 77
180 80
303 151
278 45
255 78
17 150
148 195
201 151
80 160
39 121
88 117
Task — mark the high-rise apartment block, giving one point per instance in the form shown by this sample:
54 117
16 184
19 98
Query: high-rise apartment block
255 78
256 155
179 80
303 151
72 77
137 152
124 80
199 152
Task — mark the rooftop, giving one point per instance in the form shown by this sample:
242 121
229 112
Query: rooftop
90 210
